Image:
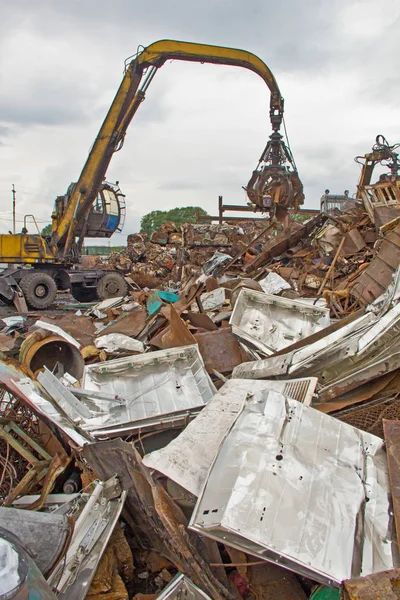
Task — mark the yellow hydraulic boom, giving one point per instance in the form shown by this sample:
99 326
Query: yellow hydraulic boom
93 208
125 104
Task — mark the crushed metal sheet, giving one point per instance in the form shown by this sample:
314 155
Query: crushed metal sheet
271 323
118 342
94 525
158 389
308 355
181 587
155 519
298 487
274 284
187 459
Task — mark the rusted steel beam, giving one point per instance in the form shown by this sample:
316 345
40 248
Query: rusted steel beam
392 438
380 586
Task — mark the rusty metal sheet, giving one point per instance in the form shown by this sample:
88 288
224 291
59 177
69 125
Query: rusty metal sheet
152 514
373 281
200 320
353 242
178 334
392 438
131 323
380 586
78 326
220 350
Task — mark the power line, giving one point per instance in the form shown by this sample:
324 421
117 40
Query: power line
23 220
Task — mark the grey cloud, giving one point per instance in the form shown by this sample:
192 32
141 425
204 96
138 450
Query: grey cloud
4 132
180 185
46 101
261 27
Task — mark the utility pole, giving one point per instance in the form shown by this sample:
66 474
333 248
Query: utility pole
13 209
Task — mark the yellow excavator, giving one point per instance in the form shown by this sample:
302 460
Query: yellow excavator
93 207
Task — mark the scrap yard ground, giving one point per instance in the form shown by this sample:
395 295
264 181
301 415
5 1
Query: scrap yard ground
164 440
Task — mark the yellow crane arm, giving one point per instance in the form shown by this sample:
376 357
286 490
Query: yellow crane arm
124 106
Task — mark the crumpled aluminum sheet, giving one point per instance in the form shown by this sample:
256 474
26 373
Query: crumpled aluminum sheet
182 588
297 487
158 388
188 458
274 283
271 323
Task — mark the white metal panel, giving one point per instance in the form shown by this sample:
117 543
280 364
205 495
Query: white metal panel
271 323
298 487
187 459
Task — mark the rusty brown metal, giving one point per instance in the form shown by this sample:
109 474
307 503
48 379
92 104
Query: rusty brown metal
46 468
41 348
200 321
267 581
58 464
380 586
373 280
220 350
156 520
178 334
392 439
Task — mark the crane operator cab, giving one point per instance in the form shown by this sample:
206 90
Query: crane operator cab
105 216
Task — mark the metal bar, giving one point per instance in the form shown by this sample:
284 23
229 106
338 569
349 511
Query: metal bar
30 441
333 263
18 447
208 218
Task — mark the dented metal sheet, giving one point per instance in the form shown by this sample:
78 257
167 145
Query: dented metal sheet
187 459
157 388
271 323
180 588
284 364
294 486
96 517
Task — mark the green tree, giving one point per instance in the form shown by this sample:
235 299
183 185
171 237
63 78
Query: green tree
46 229
179 215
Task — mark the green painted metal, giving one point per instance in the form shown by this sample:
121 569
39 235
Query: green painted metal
324 592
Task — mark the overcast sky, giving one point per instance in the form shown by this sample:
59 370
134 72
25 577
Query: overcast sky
202 128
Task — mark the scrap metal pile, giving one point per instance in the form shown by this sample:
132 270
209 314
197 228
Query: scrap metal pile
230 429
174 254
